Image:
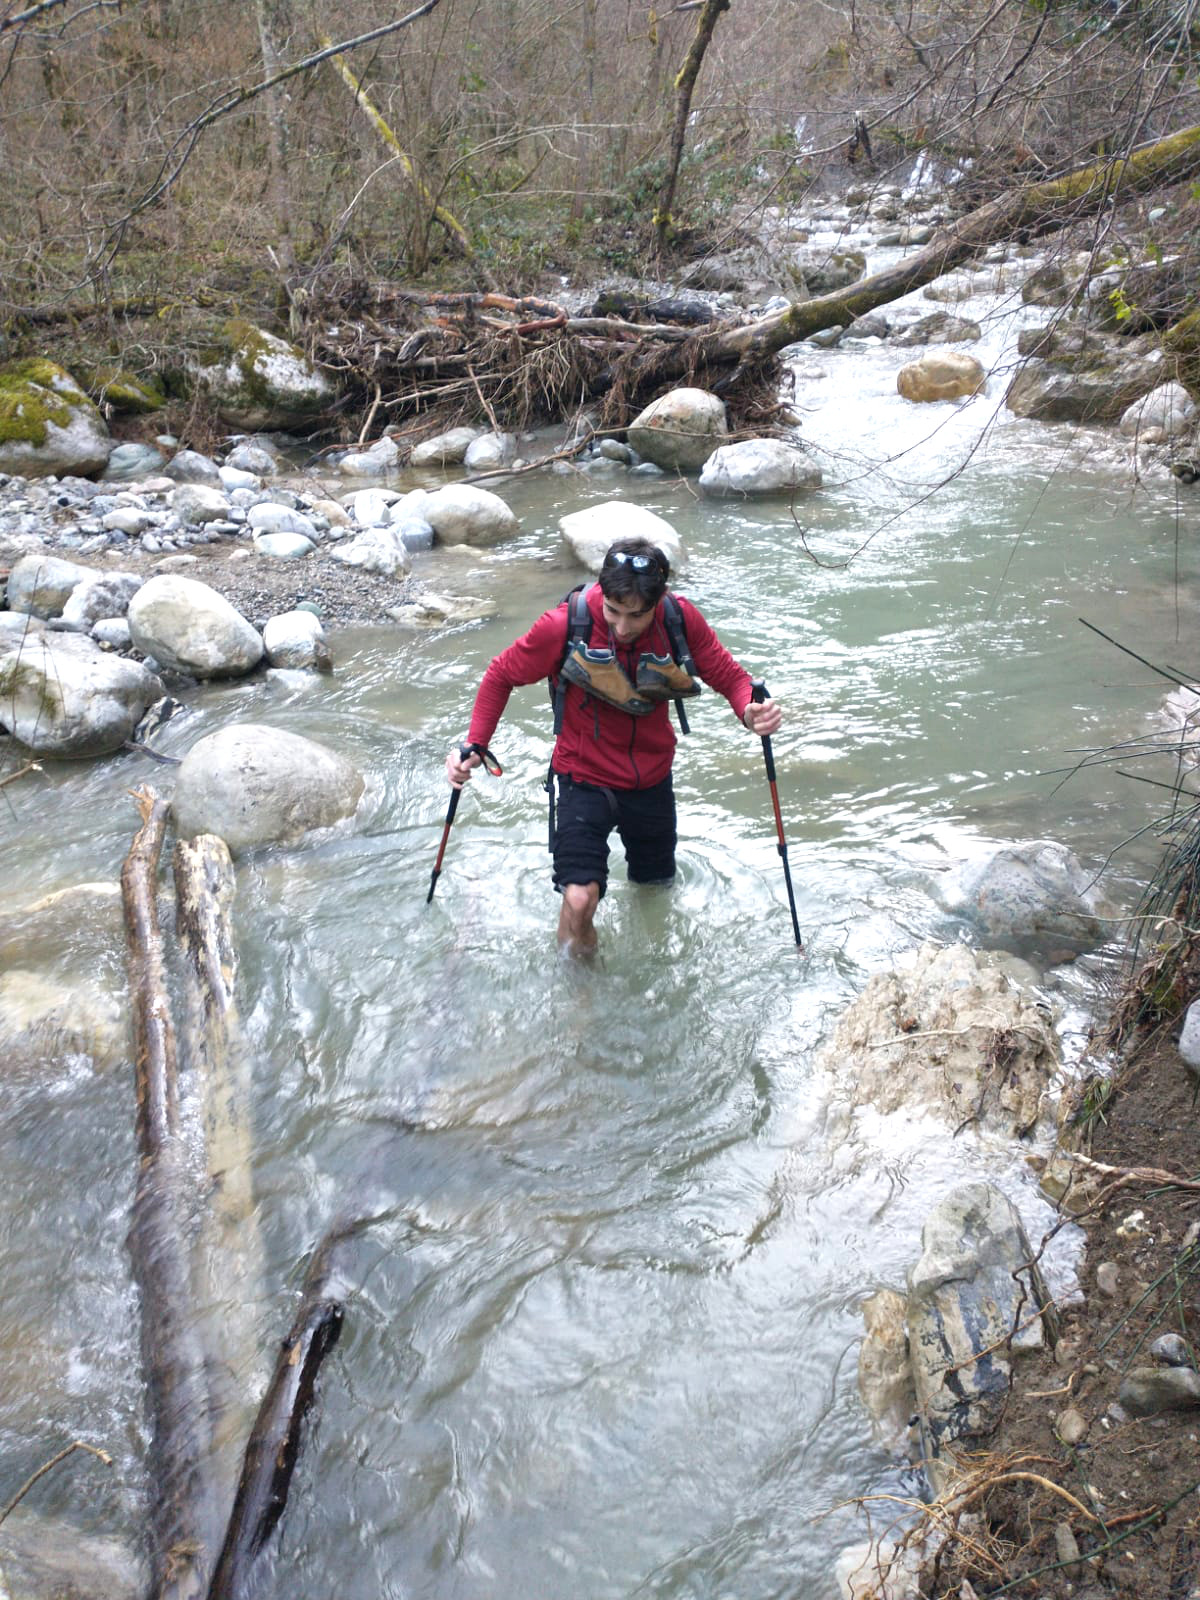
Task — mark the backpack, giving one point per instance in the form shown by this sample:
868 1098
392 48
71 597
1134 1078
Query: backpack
579 627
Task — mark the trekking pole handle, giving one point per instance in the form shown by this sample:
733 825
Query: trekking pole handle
758 693
490 765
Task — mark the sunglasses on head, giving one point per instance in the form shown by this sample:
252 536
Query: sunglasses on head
622 558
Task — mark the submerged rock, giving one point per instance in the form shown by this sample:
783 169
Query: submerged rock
1035 899
254 784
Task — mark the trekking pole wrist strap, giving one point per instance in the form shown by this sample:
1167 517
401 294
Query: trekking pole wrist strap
490 764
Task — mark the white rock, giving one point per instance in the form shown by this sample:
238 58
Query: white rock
197 503
270 517
42 584
1189 1037
235 478
371 508
190 628
254 456
283 546
295 639
445 449
759 466
429 610
463 514
106 595
589 533
131 520
1169 409
253 784
113 632
489 451
60 694
380 550
679 430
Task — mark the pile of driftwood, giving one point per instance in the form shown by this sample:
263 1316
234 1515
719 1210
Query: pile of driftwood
214 1504
517 362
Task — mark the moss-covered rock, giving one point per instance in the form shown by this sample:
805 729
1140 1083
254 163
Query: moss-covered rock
47 423
257 381
123 392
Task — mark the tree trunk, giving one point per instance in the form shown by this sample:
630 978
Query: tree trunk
685 84
228 1266
274 32
182 1532
1035 209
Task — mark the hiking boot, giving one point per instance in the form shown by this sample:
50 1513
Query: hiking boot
662 678
598 672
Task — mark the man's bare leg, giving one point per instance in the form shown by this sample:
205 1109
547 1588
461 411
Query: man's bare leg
576 929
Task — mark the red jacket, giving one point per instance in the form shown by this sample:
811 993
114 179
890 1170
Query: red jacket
599 744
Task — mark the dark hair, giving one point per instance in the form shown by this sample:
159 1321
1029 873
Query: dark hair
620 579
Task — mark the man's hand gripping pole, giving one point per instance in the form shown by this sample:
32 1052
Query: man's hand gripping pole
493 768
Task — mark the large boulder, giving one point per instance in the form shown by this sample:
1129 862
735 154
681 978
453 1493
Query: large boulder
490 451
952 1035
941 375
759 466
41 584
463 514
61 695
826 271
589 533
1165 413
1035 899
1078 375
974 1301
190 628
752 271
258 381
680 430
47 424
253 784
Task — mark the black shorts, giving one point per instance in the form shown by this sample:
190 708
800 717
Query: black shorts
585 815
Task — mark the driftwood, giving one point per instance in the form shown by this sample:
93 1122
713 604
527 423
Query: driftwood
274 1444
227 1258
447 352
181 1437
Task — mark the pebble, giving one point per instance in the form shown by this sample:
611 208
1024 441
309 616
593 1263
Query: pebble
1071 1426
1108 1279
1066 1545
1172 1350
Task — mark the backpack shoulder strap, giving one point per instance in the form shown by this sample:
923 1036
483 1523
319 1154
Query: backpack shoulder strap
579 626
677 638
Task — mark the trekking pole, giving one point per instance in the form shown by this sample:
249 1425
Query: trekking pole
758 694
493 768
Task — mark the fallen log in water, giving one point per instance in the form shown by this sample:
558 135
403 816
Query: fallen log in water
181 1438
227 1255
274 1444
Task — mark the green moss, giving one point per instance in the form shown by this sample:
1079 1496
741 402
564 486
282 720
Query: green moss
124 391
34 393
15 678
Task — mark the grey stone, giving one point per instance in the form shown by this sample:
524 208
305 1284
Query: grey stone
270 517
1035 899
445 449
1172 1350
283 546
106 595
464 514
1189 1037
197 503
190 628
680 430
128 463
589 533
1108 1279
253 784
42 584
189 466
62 695
296 639
971 1288
1145 1391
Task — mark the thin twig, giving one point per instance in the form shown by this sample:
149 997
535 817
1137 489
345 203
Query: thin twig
76 1444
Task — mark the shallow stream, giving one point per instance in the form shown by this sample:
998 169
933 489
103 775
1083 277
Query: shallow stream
601 1341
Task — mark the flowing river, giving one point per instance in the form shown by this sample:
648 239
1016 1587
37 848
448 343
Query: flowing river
601 1337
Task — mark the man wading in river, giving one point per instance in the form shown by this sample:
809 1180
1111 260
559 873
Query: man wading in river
615 657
